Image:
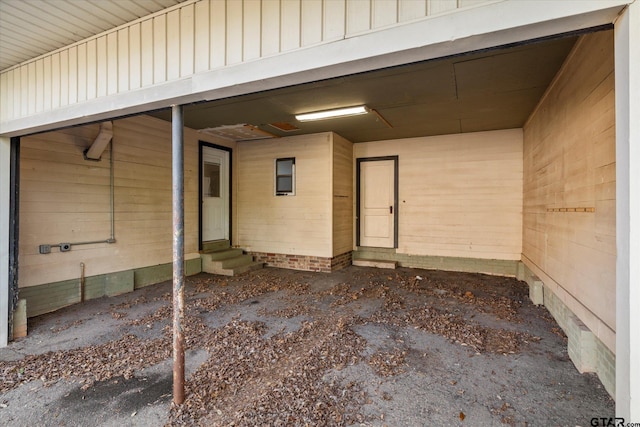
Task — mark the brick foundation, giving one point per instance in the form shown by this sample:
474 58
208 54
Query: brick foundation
303 262
341 261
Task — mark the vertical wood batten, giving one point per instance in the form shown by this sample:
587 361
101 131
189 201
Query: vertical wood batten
334 20
55 80
47 85
358 17
64 77
83 72
234 33
31 87
159 49
39 85
147 60
24 90
73 75
123 60
384 13
101 66
5 114
134 57
201 42
187 43
290 25
439 6
14 85
112 63
411 9
270 28
92 69
251 30
218 34
311 25
173 45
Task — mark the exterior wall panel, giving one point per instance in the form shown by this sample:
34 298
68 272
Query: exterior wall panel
65 198
459 195
299 224
569 162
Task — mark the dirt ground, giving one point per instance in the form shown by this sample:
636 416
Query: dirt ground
275 347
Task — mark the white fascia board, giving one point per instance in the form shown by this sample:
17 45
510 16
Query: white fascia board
494 24
5 163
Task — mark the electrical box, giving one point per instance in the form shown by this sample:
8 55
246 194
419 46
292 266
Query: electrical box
44 249
65 247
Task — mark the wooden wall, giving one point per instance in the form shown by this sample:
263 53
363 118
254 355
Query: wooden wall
299 224
64 198
194 37
459 195
569 162
342 195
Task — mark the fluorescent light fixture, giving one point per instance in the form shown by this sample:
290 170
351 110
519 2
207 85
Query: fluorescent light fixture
329 114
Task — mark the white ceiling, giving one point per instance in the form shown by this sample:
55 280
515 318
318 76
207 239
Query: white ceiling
30 28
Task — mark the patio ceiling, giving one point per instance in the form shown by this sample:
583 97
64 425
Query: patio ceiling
496 89
30 28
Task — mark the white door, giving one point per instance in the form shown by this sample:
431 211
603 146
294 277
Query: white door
377 203
215 194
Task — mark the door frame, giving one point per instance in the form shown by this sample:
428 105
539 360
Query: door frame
201 146
359 161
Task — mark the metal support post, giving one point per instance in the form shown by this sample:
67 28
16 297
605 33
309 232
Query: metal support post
177 144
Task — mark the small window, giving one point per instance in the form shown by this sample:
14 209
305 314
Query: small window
285 176
211 180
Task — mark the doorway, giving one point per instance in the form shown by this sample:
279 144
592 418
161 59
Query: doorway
376 202
215 194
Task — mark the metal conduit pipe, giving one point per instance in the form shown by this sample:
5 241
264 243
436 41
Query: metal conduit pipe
66 247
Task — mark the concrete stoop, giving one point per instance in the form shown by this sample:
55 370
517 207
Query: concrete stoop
228 262
377 263
374 257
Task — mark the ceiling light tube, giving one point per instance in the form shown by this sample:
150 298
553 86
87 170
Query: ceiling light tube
329 114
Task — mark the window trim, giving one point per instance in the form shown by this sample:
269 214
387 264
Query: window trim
293 177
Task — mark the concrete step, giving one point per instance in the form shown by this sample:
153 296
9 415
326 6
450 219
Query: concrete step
228 262
377 263
223 254
241 269
215 245
236 261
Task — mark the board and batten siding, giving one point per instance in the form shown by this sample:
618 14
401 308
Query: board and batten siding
64 198
297 224
569 162
193 37
459 195
343 217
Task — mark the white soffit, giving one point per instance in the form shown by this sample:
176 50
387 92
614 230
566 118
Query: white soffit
30 28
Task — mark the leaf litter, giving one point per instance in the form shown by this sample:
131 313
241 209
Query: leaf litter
254 378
